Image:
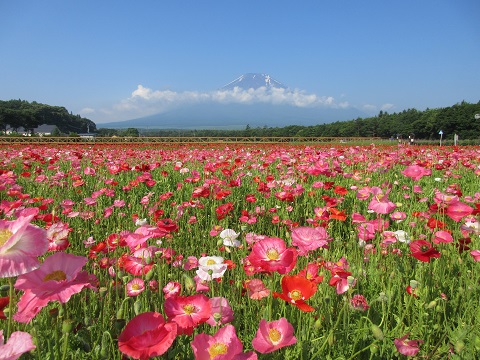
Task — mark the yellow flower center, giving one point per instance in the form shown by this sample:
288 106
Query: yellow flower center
56 275
274 335
189 309
210 262
135 287
296 295
217 349
4 236
272 254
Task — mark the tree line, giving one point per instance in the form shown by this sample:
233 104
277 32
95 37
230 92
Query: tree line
457 119
16 114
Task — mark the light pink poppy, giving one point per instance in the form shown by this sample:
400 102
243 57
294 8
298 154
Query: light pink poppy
172 289
416 172
381 204
188 311
398 216
273 335
271 254
20 245
19 343
191 263
442 236
57 235
221 312
223 345
407 347
309 239
147 335
256 289
135 287
363 193
57 279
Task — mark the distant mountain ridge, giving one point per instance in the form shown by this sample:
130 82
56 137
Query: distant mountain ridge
238 114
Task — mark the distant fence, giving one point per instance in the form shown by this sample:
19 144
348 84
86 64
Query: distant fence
5 140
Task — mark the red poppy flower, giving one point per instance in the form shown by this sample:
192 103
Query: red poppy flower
3 304
295 290
223 210
422 250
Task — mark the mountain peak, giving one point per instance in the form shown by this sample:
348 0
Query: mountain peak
254 81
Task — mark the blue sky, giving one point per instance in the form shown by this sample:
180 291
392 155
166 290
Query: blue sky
117 60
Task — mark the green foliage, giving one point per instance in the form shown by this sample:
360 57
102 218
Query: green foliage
20 113
457 119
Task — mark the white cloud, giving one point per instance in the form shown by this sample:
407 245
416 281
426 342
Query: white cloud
374 109
86 111
144 101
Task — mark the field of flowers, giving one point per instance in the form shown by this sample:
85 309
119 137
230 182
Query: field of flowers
239 252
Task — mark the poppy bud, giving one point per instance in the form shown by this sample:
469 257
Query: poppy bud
105 345
377 332
150 274
137 307
414 284
189 283
331 339
67 326
431 304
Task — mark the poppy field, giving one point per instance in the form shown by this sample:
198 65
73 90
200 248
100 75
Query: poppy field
224 251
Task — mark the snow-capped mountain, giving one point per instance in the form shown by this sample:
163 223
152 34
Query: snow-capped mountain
253 81
233 105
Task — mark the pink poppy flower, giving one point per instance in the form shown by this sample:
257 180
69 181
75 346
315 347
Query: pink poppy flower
273 335
221 312
416 172
342 280
20 245
311 273
188 311
381 204
458 210
407 347
358 302
140 263
442 236
147 335
57 279
135 287
475 254
256 289
398 216
271 254
19 343
57 235
309 239
223 345
201 285
172 289
191 263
